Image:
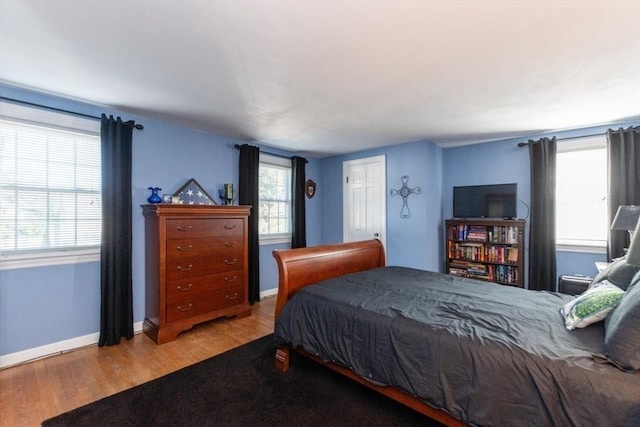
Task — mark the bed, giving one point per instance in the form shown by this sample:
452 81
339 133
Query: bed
461 351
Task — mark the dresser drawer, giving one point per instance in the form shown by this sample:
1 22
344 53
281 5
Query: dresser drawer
224 298
202 285
182 308
186 268
187 248
186 306
186 228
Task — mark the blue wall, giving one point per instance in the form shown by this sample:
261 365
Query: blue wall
44 305
578 262
412 242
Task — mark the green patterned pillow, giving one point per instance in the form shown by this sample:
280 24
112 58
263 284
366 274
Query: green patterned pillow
591 306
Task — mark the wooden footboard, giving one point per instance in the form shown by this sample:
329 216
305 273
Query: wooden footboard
305 266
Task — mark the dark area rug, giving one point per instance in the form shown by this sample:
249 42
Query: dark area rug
242 388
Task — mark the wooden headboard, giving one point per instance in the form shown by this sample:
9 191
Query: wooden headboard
298 268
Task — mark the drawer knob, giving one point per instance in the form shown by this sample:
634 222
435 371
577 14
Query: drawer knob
230 244
229 227
181 268
181 289
187 308
234 296
231 279
181 228
230 261
185 248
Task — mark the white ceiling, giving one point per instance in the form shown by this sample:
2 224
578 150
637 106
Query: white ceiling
329 77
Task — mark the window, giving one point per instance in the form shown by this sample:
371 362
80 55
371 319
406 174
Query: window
50 187
581 193
275 199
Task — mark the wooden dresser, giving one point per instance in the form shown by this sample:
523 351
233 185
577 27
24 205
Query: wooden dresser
196 266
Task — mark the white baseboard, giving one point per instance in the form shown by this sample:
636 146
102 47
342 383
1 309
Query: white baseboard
269 293
75 343
55 348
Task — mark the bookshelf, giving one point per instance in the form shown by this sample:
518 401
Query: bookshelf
491 250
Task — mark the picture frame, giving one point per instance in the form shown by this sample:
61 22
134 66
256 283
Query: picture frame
192 193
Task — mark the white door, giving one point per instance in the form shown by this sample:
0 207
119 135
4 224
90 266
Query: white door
365 205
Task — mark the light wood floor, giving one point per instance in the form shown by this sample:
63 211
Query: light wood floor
33 392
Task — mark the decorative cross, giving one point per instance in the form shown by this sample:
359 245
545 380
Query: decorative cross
405 191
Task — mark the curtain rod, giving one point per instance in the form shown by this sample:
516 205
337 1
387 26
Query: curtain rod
524 144
60 110
238 146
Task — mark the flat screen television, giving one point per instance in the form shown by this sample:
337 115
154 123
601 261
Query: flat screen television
485 201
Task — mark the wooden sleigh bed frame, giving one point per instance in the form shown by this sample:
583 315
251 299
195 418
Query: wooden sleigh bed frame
302 267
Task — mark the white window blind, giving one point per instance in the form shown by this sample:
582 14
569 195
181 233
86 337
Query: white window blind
50 182
581 193
275 198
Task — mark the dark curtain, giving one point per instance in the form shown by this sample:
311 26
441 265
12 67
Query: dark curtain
542 230
298 211
248 195
623 158
116 306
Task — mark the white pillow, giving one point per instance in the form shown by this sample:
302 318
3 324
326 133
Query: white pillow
591 306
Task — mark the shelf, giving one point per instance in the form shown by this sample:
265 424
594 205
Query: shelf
474 243
488 250
453 260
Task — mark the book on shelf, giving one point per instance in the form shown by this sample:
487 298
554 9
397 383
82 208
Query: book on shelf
476 251
458 272
459 264
506 234
477 233
500 273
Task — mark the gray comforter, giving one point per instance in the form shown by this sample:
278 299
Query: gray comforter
485 353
